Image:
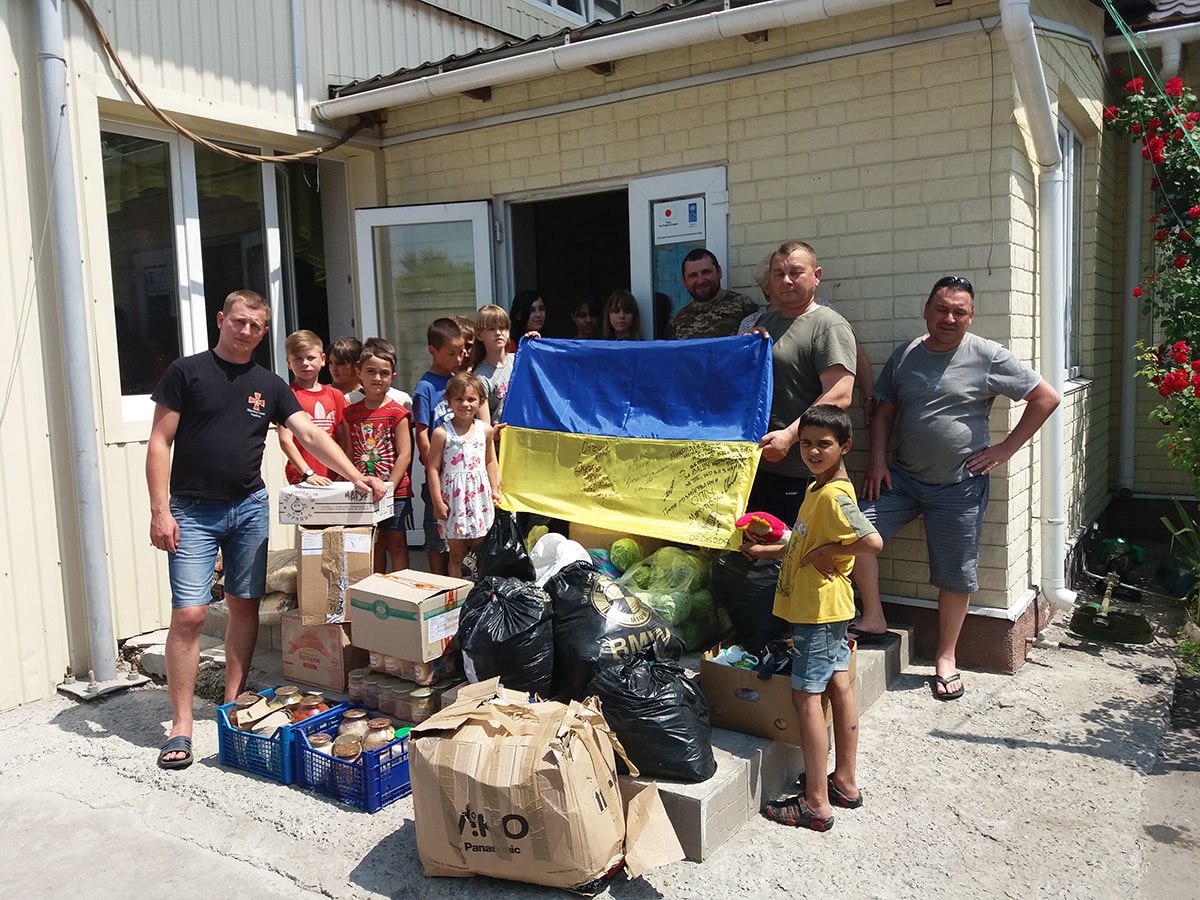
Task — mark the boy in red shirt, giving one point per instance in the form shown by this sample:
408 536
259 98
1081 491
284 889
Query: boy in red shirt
324 404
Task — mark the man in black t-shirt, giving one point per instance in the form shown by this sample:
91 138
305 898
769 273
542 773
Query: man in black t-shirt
215 408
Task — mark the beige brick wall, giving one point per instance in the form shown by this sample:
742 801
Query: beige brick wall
899 166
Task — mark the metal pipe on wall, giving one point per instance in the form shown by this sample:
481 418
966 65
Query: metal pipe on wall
68 259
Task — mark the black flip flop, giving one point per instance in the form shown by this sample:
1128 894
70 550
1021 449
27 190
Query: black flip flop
946 682
181 743
867 637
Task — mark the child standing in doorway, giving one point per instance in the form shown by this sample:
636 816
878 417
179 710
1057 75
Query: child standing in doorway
491 360
622 322
380 444
814 594
464 478
343 363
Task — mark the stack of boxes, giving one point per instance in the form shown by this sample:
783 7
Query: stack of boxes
335 536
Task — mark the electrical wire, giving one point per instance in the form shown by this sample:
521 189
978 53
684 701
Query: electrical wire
170 122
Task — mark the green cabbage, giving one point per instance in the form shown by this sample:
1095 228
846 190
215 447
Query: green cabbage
626 553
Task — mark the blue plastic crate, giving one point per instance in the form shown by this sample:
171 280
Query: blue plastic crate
377 778
276 756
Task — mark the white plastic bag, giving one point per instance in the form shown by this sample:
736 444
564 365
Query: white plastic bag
553 552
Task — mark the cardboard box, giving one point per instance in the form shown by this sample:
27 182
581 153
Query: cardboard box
336 504
328 561
409 614
601 539
740 701
528 792
319 655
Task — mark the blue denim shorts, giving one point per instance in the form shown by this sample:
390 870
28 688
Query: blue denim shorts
238 530
818 652
434 542
953 523
401 520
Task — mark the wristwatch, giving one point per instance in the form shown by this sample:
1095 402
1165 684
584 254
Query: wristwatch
308 473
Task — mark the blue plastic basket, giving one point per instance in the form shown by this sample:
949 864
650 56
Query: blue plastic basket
377 778
276 756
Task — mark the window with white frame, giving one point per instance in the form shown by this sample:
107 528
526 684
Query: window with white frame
583 10
186 226
1071 147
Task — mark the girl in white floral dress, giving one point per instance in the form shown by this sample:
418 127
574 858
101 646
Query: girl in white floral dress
464 477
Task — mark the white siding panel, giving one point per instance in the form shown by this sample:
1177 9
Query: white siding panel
357 39
32 619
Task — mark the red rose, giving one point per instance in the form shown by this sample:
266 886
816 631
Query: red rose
1110 113
1181 261
1137 292
1163 391
1135 86
1135 128
1196 365
1181 359
1177 134
1173 87
1194 212
1180 345
1154 183
1154 124
1193 117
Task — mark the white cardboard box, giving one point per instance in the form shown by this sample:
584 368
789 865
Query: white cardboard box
337 504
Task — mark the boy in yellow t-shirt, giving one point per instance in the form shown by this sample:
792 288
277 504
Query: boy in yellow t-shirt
814 594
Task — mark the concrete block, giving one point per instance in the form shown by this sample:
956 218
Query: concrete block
149 639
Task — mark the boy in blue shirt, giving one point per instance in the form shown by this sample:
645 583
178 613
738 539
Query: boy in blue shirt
446 350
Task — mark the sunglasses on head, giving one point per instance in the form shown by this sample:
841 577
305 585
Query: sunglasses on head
956 281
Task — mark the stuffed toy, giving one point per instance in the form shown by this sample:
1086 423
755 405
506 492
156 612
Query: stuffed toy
762 528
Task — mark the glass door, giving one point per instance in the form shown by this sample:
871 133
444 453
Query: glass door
669 216
417 264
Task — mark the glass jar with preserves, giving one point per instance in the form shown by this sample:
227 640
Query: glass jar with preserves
347 747
285 695
307 708
423 704
354 681
322 743
375 660
354 723
371 690
391 665
380 733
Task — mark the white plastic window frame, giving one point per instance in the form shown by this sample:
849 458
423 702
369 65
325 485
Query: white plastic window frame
1071 146
591 12
189 288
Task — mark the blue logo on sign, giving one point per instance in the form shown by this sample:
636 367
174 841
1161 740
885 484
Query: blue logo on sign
693 212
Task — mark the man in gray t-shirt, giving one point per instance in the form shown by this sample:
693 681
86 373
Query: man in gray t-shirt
935 395
812 361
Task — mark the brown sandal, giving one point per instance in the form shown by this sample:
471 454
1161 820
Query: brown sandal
795 812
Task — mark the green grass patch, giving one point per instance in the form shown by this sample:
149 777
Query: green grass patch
1189 652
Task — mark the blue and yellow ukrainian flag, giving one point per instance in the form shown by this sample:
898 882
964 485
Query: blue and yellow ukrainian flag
657 438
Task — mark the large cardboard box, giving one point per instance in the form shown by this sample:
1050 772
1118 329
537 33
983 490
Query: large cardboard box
328 561
319 655
740 701
594 538
528 792
409 614
339 503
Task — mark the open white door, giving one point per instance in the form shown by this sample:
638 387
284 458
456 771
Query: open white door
669 216
417 264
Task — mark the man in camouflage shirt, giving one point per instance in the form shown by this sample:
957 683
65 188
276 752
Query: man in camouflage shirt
713 312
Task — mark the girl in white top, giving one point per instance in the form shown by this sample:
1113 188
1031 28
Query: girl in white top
464 477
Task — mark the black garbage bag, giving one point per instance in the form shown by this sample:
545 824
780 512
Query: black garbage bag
659 714
597 620
747 591
506 629
502 551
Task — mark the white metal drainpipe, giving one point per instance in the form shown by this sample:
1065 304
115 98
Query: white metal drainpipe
81 412
594 51
1016 22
